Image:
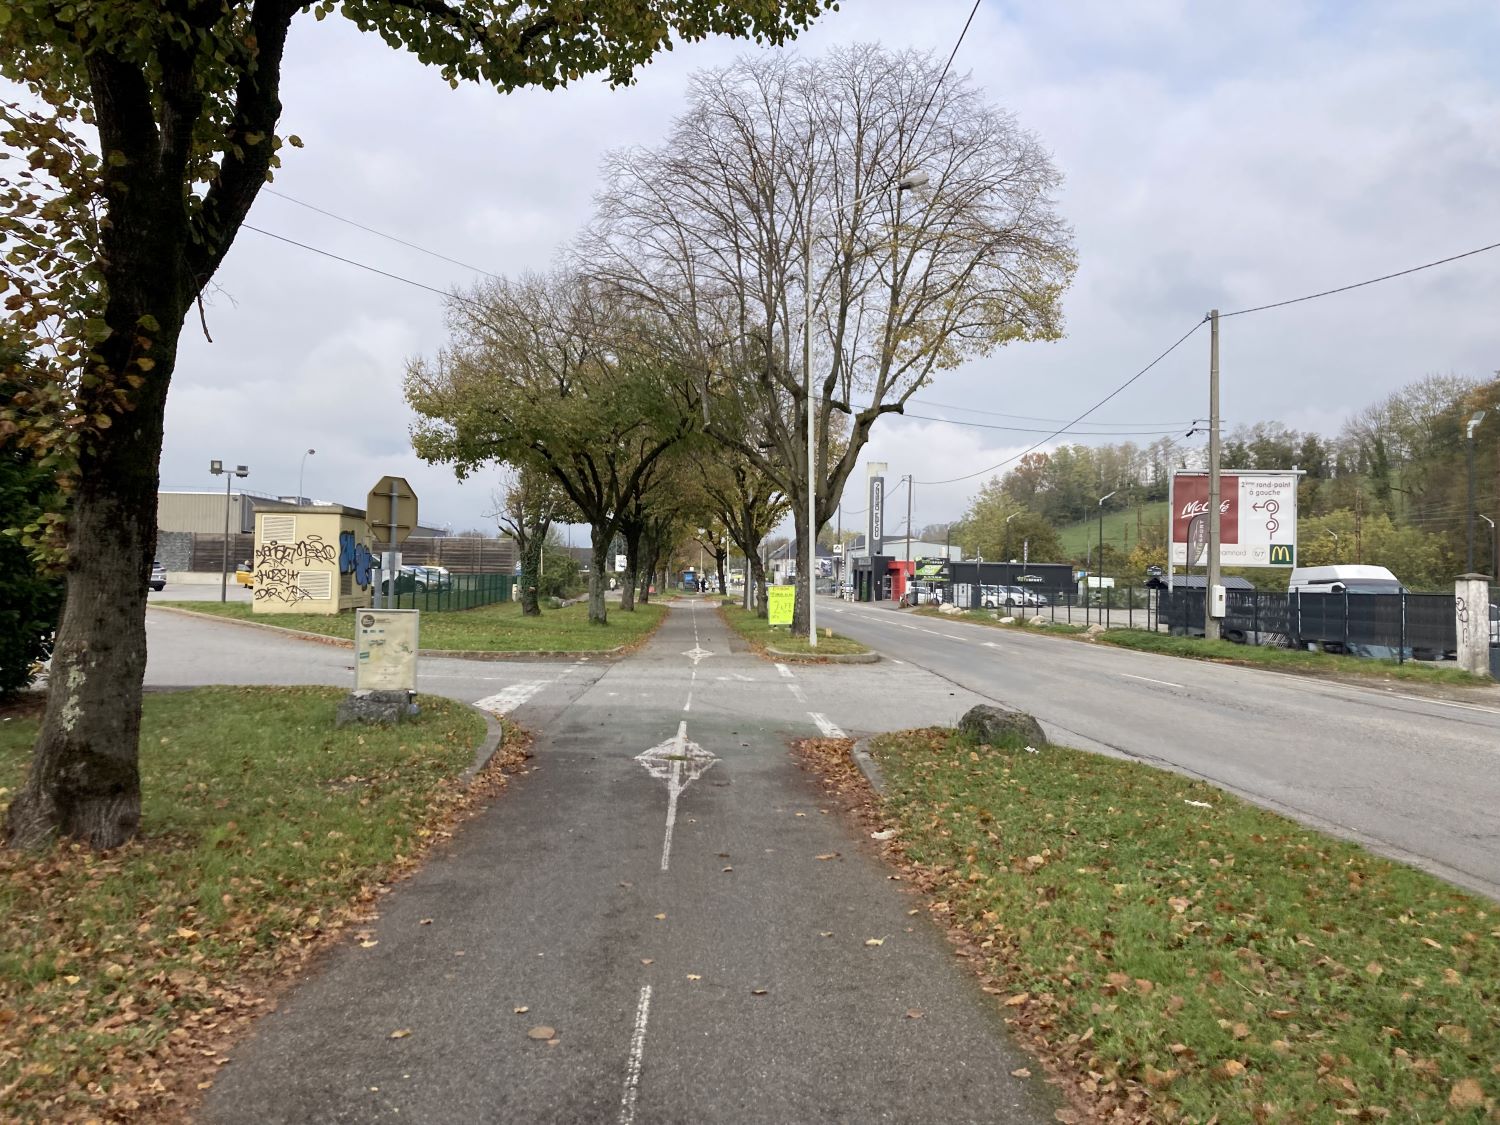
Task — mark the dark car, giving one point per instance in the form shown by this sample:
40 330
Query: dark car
158 580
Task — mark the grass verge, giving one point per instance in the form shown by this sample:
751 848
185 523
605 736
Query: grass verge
1185 956
755 630
266 831
491 628
1325 664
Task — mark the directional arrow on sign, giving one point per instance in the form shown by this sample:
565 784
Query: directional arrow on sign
679 763
697 653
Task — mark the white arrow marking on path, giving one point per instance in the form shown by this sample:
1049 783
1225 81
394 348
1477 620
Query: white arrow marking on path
504 702
679 763
697 653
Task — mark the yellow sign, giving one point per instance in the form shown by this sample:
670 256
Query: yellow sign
1282 554
780 600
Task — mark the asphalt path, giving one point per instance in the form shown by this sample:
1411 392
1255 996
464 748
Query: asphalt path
1413 777
707 937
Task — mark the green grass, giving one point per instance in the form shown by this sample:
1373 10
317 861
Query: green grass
492 628
1119 529
262 825
1238 966
755 630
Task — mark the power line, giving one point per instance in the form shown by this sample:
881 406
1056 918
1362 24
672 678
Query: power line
921 117
969 476
1032 418
380 233
1362 284
363 266
1033 430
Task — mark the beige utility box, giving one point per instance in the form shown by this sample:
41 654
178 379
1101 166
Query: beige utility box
312 559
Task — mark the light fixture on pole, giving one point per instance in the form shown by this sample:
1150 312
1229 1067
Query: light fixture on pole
217 468
1008 518
1102 499
1474 420
1494 545
908 182
300 472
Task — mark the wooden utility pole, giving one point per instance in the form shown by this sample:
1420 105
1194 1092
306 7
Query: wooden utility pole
1210 622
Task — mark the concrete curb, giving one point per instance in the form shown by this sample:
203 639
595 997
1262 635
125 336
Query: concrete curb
868 765
494 738
441 653
830 658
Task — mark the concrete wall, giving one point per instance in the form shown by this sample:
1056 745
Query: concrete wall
174 550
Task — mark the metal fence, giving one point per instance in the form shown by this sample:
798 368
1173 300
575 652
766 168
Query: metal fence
457 591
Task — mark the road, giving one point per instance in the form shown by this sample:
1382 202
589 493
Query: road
695 925
1412 777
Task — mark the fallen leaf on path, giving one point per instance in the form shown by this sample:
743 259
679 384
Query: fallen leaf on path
1020 1072
727 869
825 933
883 834
425 922
661 917
542 1032
875 941
401 1033
757 992
829 855
522 1010
647 960
694 976
913 1013
368 944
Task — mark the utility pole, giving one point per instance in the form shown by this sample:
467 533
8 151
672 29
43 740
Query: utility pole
1210 622
1473 425
908 518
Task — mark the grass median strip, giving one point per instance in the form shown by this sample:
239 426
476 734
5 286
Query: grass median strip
1188 956
265 831
760 635
491 628
1249 656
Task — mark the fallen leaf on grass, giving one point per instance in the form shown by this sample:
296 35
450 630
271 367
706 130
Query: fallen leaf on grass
1160 1079
1198 804
401 1033
542 1032
1018 999
1232 1068
883 834
1467 1093
1020 1072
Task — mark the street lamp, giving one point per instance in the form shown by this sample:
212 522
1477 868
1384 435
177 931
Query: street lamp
1008 518
1474 421
1494 546
908 182
1102 499
300 473
217 468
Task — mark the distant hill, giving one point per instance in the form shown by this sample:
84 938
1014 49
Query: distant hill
1119 529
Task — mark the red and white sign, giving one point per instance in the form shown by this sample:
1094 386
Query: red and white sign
1257 518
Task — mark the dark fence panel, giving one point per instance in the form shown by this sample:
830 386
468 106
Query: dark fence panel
461 591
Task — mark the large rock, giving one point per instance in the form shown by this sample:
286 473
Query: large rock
374 707
996 726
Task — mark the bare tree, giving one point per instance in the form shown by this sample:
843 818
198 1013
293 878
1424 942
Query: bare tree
779 160
526 506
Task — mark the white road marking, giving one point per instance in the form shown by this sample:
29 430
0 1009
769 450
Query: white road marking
1443 703
797 693
1149 680
825 725
990 644
637 1053
895 661
688 706
506 701
951 637
786 673
679 763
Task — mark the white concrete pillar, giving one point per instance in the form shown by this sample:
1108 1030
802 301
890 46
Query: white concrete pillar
1471 608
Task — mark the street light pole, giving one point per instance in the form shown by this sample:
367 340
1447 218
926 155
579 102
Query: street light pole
217 468
1008 518
1494 546
906 183
1102 499
1211 581
301 472
1474 421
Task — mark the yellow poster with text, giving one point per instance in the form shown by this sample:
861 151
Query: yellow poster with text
779 603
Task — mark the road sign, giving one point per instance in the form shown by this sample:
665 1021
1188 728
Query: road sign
391 510
780 602
385 649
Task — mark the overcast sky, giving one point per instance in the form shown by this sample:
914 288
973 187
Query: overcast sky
1214 156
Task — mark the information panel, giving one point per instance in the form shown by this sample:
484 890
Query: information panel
1257 518
385 649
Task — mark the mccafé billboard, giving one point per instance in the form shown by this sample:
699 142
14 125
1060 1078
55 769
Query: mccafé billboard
1257 518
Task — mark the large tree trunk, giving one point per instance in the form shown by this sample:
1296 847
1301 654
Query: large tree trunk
719 563
632 533
531 566
647 576
758 575
85 781
600 537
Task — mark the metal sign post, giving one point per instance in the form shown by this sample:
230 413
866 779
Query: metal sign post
395 499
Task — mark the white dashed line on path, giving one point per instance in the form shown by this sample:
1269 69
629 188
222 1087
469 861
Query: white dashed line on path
826 725
786 673
797 693
1149 680
637 1052
506 701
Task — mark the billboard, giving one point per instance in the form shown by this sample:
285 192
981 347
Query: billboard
1257 518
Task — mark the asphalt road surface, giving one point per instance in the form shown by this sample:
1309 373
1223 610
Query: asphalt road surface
668 916
1412 777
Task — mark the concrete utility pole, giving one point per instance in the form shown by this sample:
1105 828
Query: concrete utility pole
908 518
1473 425
1210 622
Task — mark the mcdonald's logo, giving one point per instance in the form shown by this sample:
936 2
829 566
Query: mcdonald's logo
1282 554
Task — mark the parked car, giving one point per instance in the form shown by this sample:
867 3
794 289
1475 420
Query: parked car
432 577
244 574
158 580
